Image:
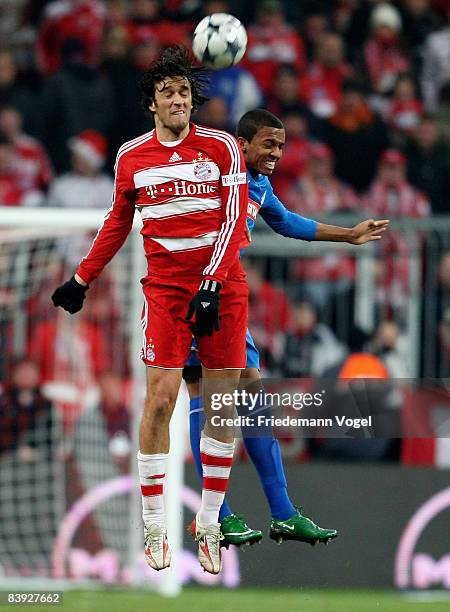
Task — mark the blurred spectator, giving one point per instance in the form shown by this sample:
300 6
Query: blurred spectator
64 19
314 26
269 312
285 98
33 162
389 346
14 187
436 68
214 113
310 346
115 44
357 136
70 350
26 420
405 109
419 20
390 194
318 192
358 27
238 88
428 164
320 87
383 53
146 22
271 43
75 98
85 186
125 74
13 94
295 153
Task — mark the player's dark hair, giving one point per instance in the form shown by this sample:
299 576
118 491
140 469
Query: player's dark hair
175 61
254 120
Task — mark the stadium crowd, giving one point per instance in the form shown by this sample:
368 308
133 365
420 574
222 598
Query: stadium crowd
363 89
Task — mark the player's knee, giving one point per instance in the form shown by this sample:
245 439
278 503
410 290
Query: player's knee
158 407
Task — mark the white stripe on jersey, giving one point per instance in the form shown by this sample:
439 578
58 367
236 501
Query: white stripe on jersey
127 146
164 174
186 244
232 210
179 206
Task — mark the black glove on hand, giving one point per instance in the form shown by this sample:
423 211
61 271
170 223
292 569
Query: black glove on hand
205 305
70 296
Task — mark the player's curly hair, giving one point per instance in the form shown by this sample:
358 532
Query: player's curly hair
175 61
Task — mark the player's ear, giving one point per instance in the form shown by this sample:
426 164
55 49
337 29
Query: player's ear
152 106
243 143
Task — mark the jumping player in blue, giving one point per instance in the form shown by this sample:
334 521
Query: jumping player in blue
261 137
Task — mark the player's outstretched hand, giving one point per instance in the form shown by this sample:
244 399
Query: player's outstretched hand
369 230
70 296
205 306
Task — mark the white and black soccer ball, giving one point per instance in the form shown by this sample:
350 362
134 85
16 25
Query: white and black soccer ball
219 41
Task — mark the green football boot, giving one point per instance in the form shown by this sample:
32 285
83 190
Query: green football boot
236 531
300 528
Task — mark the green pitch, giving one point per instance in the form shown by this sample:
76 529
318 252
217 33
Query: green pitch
244 600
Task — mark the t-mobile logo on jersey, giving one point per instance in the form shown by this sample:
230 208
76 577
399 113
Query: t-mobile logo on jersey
179 188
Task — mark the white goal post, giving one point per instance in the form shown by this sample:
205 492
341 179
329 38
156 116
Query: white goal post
33 242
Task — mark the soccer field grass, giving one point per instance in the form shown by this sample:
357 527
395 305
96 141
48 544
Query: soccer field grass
243 600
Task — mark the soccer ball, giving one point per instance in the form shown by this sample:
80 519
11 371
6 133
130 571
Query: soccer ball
219 41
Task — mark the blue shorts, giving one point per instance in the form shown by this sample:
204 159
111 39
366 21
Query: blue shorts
251 351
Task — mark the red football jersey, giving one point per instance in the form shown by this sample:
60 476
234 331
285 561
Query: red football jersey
193 201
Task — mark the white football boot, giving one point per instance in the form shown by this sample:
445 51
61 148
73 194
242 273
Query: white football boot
157 551
208 539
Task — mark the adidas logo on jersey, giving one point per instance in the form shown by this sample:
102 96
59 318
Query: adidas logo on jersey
175 157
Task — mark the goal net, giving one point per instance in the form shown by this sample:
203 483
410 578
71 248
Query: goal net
69 504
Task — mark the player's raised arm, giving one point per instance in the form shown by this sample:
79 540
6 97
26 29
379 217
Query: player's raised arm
110 237
234 195
363 232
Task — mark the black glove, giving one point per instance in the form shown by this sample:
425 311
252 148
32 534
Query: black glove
70 296
205 305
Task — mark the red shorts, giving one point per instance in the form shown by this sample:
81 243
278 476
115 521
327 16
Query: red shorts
168 336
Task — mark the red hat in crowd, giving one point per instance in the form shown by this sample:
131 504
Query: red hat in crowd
319 150
90 145
393 158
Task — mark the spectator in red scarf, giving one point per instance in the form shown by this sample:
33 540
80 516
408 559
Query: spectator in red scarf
390 195
271 43
383 53
320 87
35 167
13 188
404 110
318 192
62 19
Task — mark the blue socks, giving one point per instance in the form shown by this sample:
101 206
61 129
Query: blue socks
266 457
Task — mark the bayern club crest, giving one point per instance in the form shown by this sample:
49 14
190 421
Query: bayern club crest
202 171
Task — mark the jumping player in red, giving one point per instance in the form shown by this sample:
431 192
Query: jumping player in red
190 185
